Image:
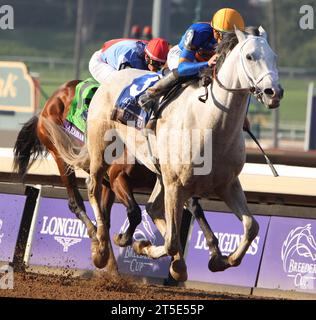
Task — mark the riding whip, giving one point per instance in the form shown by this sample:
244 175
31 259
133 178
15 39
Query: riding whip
264 154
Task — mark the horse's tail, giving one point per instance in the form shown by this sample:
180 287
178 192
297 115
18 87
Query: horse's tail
27 147
68 149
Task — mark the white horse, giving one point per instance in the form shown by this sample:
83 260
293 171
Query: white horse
249 67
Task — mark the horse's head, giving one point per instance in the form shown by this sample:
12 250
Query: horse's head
258 68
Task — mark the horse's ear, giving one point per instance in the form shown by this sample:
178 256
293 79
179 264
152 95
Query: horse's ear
240 35
263 33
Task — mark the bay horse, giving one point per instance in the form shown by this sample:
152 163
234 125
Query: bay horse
250 67
122 179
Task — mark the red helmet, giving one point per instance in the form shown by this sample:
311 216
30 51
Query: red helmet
157 49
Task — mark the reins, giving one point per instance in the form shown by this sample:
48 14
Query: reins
206 80
239 90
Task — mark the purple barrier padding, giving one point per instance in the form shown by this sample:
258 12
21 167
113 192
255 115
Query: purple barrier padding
11 210
61 240
229 230
289 258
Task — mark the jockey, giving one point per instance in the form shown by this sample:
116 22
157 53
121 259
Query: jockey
119 54
194 52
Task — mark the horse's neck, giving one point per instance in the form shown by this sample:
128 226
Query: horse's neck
230 110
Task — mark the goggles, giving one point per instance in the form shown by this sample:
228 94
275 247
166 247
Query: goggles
219 34
155 64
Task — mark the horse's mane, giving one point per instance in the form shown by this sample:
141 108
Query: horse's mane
229 42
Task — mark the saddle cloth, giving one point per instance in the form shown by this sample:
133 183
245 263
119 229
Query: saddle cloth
75 123
127 110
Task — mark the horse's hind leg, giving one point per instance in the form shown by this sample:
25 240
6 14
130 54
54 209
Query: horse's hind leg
235 198
99 248
155 208
196 210
107 200
68 177
75 201
97 148
124 193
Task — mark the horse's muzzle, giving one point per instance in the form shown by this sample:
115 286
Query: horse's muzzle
272 96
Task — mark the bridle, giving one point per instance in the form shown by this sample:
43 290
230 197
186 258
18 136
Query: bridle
253 83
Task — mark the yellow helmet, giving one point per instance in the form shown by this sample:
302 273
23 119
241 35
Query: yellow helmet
225 19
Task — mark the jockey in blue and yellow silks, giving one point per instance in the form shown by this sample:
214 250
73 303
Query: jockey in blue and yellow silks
194 52
199 37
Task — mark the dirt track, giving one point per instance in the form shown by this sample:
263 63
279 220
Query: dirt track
27 285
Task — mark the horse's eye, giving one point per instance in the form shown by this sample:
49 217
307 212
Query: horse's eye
249 56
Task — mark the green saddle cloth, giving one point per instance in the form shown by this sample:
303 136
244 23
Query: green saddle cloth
79 107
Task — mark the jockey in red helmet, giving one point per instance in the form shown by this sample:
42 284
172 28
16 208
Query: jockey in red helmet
118 54
156 52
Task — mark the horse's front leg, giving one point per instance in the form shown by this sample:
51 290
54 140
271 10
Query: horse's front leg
169 227
234 197
215 254
174 202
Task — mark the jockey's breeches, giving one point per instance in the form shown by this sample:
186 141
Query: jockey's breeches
99 69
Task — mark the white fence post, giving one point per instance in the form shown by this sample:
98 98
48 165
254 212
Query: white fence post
310 131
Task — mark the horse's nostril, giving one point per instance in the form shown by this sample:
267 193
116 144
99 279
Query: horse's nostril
269 92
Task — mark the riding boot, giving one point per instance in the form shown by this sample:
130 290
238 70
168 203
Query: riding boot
149 99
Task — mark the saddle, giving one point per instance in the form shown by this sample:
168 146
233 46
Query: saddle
203 80
128 112
173 93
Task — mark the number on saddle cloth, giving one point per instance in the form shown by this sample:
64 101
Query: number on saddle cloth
126 109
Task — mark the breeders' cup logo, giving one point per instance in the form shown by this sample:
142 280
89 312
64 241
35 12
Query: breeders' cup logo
66 232
299 256
143 232
1 233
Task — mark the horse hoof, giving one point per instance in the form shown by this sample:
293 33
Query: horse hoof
138 246
218 263
99 258
178 270
121 241
232 261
